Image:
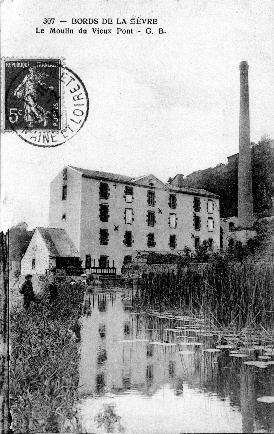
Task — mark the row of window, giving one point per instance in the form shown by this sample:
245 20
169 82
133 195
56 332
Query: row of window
151 201
128 239
129 216
151 219
104 194
197 223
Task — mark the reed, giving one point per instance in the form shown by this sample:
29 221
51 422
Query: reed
232 293
44 363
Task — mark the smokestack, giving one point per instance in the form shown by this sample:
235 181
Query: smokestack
245 199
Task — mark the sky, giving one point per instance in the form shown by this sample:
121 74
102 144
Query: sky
161 104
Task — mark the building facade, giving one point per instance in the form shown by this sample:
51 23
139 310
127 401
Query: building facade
109 217
48 249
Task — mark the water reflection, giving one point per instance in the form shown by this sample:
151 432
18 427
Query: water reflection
150 374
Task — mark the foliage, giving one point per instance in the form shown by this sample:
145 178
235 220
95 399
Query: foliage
44 362
262 175
229 291
254 247
223 180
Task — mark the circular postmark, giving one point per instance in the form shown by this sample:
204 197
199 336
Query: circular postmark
46 103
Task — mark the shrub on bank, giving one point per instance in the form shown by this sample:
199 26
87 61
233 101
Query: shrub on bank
44 361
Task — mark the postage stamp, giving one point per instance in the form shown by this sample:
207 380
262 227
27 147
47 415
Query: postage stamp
46 103
33 94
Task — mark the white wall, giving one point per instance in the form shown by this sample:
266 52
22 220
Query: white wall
36 250
116 250
83 223
70 207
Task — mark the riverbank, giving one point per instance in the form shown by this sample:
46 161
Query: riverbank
44 362
231 293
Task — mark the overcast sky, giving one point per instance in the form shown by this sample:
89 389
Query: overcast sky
161 104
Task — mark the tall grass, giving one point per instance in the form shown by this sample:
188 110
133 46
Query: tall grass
44 363
232 293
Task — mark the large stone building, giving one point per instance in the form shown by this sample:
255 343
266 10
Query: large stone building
109 217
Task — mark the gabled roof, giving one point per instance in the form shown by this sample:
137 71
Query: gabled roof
149 180
58 242
142 181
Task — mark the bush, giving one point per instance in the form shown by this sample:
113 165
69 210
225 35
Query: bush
44 361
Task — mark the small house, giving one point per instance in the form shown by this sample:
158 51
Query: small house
49 249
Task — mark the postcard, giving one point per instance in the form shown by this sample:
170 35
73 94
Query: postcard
137 168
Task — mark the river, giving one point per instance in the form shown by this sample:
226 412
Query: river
153 373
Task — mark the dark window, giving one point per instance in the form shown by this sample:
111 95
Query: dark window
100 383
127 328
231 226
104 237
197 242
231 242
64 217
210 243
128 239
127 259
128 194
151 198
172 201
102 305
33 264
88 261
65 174
103 190
221 238
149 373
64 192
172 241
151 218
103 261
150 350
197 222
128 190
210 224
126 383
150 240
101 356
171 368
102 331
197 204
104 215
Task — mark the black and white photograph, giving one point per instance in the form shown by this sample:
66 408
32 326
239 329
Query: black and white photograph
137 216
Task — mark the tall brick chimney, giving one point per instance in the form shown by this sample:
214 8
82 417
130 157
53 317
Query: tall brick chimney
245 199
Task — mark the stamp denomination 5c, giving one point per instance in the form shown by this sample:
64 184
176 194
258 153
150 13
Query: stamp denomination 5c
46 103
33 95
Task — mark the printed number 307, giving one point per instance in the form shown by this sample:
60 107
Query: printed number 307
48 20
14 114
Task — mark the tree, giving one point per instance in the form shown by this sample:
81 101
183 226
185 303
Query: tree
223 180
262 175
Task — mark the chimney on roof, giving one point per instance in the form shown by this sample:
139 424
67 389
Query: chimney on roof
245 199
178 181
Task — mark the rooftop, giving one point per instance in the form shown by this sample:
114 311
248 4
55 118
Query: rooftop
107 176
58 242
